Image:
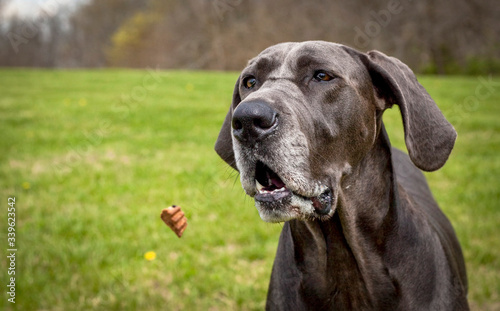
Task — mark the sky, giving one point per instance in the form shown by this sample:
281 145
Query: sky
31 8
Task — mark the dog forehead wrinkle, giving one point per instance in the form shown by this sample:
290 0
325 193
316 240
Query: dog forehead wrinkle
319 55
278 78
271 58
313 63
288 57
262 66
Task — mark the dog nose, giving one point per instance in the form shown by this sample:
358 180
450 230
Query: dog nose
252 121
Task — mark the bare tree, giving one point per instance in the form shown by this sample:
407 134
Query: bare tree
93 25
449 36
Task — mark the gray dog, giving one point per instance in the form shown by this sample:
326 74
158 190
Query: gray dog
362 230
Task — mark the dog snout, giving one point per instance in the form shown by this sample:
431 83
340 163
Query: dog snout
252 121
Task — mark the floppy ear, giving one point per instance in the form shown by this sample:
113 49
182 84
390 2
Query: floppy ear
429 136
224 143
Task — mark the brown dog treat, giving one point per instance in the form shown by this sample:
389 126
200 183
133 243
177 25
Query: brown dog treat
175 219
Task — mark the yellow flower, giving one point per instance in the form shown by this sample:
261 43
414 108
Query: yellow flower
189 87
150 255
82 102
26 185
67 102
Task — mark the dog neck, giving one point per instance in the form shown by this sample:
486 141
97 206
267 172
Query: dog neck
345 251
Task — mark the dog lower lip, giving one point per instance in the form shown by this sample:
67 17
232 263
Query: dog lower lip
272 196
323 203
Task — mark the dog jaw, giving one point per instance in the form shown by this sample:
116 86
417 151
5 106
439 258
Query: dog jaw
294 207
294 195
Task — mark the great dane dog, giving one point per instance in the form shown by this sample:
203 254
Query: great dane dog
362 230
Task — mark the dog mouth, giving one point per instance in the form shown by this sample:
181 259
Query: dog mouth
269 185
273 194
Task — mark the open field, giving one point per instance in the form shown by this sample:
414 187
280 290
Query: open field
93 156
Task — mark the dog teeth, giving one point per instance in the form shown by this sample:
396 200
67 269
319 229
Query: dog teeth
261 189
259 186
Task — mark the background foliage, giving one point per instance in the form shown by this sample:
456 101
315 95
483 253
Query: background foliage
444 37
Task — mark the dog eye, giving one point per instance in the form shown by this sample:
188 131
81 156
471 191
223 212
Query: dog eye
320 75
249 82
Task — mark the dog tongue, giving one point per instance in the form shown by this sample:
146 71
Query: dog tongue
274 179
277 182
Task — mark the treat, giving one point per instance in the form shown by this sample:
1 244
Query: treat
175 219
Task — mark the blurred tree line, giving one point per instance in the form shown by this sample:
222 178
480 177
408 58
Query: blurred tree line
444 37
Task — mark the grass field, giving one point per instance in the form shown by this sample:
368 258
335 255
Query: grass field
93 156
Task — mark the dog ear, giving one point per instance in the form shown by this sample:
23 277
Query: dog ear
224 143
429 136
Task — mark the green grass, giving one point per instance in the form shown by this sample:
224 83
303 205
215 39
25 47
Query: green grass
92 157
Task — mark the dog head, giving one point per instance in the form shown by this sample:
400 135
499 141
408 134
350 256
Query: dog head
304 114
